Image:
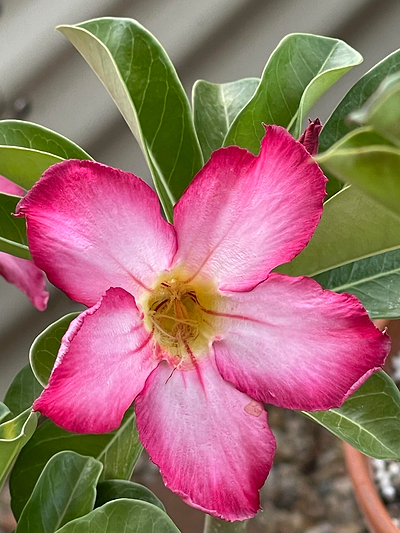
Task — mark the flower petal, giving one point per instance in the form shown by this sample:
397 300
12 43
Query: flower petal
290 343
105 358
211 442
244 215
27 277
91 227
9 187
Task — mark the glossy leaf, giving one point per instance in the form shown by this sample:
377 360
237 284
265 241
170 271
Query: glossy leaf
143 83
4 411
44 349
215 106
123 516
298 72
374 280
27 150
352 227
337 125
23 391
65 490
118 451
369 420
12 229
114 489
14 434
374 169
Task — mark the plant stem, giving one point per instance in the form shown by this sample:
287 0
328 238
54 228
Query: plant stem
213 525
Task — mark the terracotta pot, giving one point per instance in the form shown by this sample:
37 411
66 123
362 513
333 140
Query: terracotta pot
371 505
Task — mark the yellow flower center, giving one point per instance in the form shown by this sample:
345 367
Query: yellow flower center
179 313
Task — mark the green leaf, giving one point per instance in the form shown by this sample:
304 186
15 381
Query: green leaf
382 109
369 420
298 72
114 489
118 451
337 126
12 229
374 280
23 391
65 490
123 516
143 83
352 227
214 525
44 349
14 434
215 106
27 150
4 412
374 169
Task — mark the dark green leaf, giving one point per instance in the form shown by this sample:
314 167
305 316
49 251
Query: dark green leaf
13 436
215 106
374 280
114 489
12 229
299 71
352 227
369 420
23 391
143 83
123 516
44 349
65 490
337 126
118 451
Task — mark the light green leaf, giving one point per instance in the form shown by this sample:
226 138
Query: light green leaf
369 420
44 349
23 391
374 169
298 72
215 106
4 412
374 280
143 83
14 434
337 125
27 150
213 525
114 489
65 490
12 229
123 516
352 227
118 451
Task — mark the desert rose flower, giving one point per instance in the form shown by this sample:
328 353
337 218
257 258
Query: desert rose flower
21 272
189 321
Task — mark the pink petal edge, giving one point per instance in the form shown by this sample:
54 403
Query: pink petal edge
91 227
292 344
104 360
210 441
243 215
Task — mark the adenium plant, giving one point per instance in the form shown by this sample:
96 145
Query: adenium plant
192 315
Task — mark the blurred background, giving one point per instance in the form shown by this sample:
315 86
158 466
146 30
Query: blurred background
43 79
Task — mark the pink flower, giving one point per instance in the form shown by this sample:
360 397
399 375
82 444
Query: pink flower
189 321
21 272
